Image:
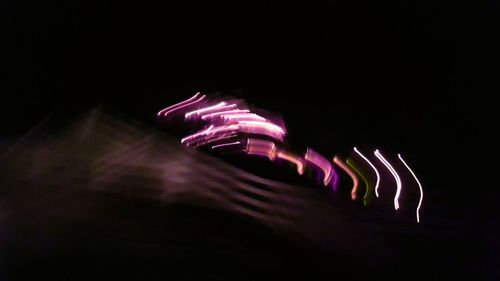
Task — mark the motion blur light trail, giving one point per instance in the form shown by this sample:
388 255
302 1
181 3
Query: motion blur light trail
210 109
230 126
346 169
351 164
323 164
226 144
292 158
394 174
191 101
419 186
377 183
262 148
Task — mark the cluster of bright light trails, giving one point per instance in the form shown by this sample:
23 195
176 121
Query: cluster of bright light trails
229 125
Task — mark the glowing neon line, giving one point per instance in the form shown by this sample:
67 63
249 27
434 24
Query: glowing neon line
243 117
394 174
220 106
226 144
367 190
419 186
180 105
234 111
373 167
339 162
188 104
177 104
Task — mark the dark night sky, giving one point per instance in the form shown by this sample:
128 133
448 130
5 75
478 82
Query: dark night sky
410 76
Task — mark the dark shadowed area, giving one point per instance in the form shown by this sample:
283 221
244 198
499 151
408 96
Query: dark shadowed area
93 187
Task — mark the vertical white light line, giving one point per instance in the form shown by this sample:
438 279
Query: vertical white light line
419 186
373 167
394 174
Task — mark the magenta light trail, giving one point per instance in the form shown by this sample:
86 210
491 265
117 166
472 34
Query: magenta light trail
262 128
419 186
243 117
262 148
351 174
394 174
292 158
199 133
210 109
178 104
211 139
211 130
227 112
226 144
373 167
323 164
264 124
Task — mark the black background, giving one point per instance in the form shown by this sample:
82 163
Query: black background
416 77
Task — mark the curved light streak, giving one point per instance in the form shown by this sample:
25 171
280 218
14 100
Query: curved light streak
322 163
346 169
419 186
394 174
177 104
192 100
292 158
367 190
373 167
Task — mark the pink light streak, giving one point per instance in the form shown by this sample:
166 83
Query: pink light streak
191 101
263 124
226 144
262 148
210 131
394 174
227 112
351 174
419 186
322 163
210 109
373 167
262 128
213 138
243 117
292 158
178 104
